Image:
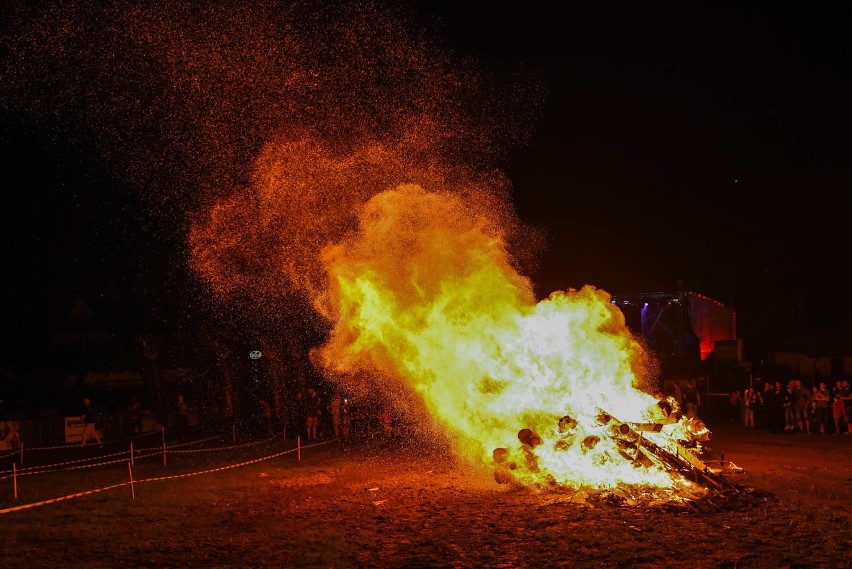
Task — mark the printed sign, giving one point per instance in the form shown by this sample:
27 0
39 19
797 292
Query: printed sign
74 429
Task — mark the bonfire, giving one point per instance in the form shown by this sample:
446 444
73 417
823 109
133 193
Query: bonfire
550 394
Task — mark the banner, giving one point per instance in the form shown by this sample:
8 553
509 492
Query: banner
74 429
107 379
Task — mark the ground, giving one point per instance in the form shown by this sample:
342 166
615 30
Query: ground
405 506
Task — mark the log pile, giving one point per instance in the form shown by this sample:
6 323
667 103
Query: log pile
677 456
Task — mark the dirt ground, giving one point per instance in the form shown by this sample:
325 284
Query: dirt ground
403 506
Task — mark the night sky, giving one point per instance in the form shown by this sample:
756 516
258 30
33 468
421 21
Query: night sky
685 143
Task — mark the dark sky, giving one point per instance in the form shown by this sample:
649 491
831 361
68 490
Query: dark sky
685 142
679 143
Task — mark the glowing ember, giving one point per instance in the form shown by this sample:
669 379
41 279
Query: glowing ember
425 294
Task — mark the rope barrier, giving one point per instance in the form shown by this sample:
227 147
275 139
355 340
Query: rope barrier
77 461
111 441
80 467
155 479
60 498
195 442
4 473
242 445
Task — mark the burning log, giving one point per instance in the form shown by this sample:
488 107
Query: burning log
696 429
529 438
665 411
567 423
669 455
503 466
500 454
591 442
681 460
648 427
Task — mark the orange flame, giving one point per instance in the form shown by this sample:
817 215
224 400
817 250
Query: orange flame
425 293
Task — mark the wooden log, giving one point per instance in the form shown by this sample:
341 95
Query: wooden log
682 460
647 427
567 423
529 438
500 454
591 442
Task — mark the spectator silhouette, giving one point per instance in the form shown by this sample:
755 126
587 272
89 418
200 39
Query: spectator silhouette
691 400
264 428
134 413
89 423
180 423
790 406
386 420
345 418
822 399
750 403
846 397
278 413
296 414
802 399
335 408
838 413
775 411
313 410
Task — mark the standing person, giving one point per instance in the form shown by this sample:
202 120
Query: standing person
750 396
296 414
790 406
335 408
775 411
822 398
264 428
230 417
313 410
181 419
838 413
846 397
762 412
386 420
757 407
278 413
345 418
813 418
736 404
89 428
802 402
691 400
677 393
134 413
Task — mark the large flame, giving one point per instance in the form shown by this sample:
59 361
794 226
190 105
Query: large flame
425 293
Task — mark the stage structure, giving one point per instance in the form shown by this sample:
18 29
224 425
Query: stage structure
684 329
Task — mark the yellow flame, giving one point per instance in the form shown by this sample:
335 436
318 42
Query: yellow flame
425 293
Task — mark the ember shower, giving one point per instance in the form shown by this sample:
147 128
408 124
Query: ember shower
341 153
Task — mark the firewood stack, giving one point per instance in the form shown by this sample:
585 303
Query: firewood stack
632 439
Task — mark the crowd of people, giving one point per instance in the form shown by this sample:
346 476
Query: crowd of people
300 413
341 417
795 408
792 408
306 414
